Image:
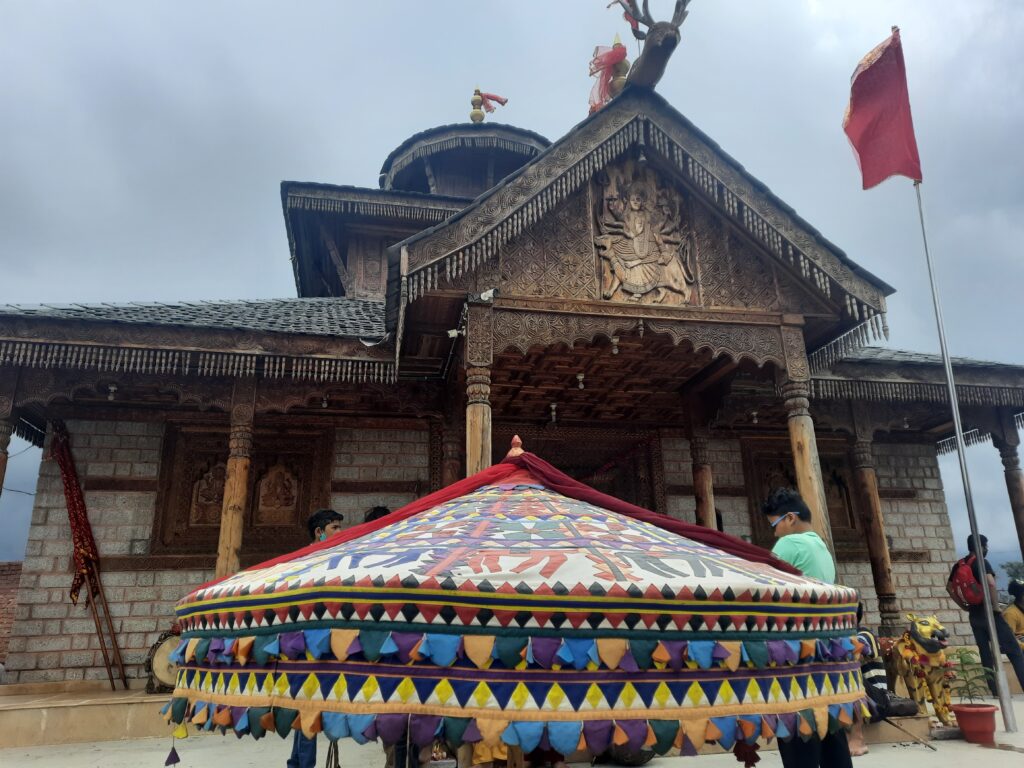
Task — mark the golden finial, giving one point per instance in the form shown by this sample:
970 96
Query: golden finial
476 114
619 72
516 449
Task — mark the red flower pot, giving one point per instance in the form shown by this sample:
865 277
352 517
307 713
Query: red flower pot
977 722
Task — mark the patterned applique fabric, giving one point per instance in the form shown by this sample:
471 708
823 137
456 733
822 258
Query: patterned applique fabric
514 614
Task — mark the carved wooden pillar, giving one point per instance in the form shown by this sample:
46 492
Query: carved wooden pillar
8 380
806 463
236 481
479 356
703 483
874 530
1015 482
451 454
6 428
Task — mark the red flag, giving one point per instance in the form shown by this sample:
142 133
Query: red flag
878 121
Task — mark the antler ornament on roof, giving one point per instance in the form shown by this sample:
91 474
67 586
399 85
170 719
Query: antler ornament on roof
660 40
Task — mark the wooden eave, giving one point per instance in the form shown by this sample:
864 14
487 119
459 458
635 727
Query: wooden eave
192 350
977 383
642 120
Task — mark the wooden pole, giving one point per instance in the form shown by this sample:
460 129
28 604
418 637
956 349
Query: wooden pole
703 482
806 463
866 481
478 420
236 482
6 429
99 633
97 584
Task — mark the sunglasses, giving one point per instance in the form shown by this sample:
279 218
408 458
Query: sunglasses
779 519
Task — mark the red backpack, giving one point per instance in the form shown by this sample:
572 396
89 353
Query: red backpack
963 586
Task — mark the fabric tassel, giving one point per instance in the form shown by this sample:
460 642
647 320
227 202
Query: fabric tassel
172 756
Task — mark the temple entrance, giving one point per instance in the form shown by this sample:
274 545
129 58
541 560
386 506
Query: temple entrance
623 463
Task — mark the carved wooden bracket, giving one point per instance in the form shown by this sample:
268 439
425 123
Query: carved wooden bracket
480 336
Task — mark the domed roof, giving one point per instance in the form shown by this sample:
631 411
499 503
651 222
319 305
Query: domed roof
462 159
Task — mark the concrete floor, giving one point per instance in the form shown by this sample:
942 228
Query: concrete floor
215 751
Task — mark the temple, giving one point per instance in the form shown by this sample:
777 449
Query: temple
648 316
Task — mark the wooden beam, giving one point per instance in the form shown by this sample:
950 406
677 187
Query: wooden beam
339 263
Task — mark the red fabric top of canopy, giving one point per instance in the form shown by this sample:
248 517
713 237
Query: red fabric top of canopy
527 468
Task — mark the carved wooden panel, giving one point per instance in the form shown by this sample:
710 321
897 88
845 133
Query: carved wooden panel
277 496
735 274
367 265
554 257
289 479
768 464
644 235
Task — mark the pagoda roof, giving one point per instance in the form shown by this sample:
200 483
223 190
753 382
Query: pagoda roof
500 135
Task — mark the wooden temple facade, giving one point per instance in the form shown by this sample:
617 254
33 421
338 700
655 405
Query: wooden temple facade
628 299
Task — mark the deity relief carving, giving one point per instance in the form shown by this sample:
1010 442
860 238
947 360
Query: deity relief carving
276 497
208 496
644 240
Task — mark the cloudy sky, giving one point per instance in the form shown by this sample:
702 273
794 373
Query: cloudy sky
142 144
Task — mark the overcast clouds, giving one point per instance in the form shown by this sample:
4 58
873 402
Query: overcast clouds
142 144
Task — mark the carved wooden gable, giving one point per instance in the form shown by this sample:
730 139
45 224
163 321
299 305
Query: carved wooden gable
633 236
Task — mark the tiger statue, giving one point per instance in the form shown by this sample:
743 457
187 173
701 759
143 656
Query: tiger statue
920 656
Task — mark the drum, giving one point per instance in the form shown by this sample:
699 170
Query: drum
161 671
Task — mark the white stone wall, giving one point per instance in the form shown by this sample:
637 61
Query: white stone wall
53 640
379 454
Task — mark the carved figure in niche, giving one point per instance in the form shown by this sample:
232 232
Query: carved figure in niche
277 497
644 241
208 496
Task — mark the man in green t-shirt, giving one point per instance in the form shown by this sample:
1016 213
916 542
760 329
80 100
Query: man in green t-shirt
797 543
800 546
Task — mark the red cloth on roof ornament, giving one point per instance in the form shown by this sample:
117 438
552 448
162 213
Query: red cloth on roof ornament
490 99
602 66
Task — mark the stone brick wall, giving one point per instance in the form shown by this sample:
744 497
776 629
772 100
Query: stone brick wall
389 455
53 640
727 467
10 577
918 524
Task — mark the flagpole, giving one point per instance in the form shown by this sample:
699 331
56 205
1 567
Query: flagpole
1002 687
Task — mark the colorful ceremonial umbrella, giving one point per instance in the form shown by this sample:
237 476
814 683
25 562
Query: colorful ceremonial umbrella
519 607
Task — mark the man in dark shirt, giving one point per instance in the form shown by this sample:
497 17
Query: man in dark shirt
976 615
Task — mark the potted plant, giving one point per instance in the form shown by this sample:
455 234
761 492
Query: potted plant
976 719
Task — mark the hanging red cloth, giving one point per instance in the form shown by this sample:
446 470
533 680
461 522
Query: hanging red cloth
85 551
602 66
